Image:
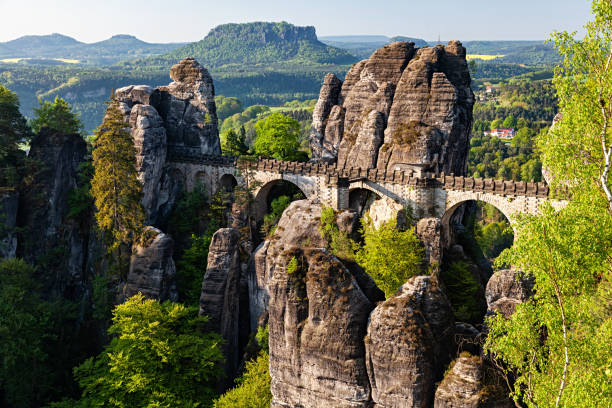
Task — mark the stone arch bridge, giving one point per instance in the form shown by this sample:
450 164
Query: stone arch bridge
427 195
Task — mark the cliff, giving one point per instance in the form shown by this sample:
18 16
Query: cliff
404 108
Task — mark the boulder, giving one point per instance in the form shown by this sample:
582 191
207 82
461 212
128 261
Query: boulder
220 298
409 343
50 238
506 289
461 386
152 270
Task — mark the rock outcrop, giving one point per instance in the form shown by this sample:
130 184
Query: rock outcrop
220 298
152 270
429 231
461 387
318 311
50 237
408 344
318 318
178 119
403 108
506 289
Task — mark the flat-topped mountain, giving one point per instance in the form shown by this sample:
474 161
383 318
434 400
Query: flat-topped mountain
258 43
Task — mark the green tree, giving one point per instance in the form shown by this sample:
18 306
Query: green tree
234 143
227 106
509 122
390 256
496 124
557 345
277 137
56 115
253 387
580 144
13 130
115 186
158 357
31 345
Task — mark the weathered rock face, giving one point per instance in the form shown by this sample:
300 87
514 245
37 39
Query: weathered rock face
152 270
461 386
9 204
189 110
177 119
318 317
50 237
318 311
403 108
429 231
150 142
409 343
221 294
326 148
506 289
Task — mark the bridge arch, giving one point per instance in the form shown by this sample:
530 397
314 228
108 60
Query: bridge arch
227 182
266 193
502 204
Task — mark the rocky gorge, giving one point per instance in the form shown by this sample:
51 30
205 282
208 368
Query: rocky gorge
335 339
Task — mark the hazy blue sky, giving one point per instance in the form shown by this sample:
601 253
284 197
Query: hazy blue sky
190 20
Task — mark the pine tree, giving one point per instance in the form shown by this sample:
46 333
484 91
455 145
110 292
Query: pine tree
115 186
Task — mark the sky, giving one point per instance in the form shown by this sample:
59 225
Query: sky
190 20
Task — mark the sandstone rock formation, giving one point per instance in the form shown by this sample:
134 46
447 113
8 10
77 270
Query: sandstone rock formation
461 387
318 312
152 270
403 108
409 343
220 298
50 236
429 231
178 119
506 289
318 318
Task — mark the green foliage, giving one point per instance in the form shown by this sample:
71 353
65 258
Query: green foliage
80 200
13 130
158 357
278 206
56 115
191 266
509 122
277 137
190 209
115 186
464 292
494 237
227 106
338 242
253 387
388 255
568 252
33 337
233 143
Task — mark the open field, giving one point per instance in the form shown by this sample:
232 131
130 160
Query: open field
16 60
484 57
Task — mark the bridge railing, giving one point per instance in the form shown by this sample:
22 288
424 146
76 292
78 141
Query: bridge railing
331 172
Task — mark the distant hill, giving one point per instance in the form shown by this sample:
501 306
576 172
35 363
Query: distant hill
58 46
256 44
362 46
355 38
